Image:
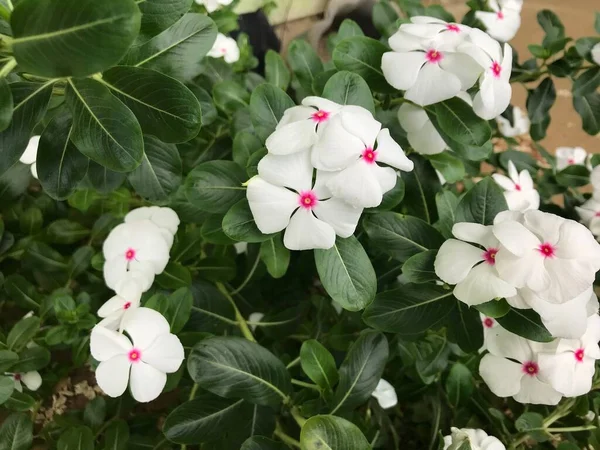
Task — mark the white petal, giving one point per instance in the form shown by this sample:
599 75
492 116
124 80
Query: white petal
33 380
390 153
293 137
502 376
568 278
112 375
533 391
361 123
293 171
165 353
386 176
527 270
463 66
455 259
433 85
295 114
34 172
576 241
137 214
411 117
336 148
515 237
166 218
405 42
112 305
144 325
401 70
322 104
483 41
475 233
105 344
340 215
357 185
481 285
320 187
427 141
565 374
306 232
385 394
147 382
271 205
30 154
493 97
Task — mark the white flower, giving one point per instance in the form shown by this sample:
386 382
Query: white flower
472 269
494 87
385 394
297 129
571 368
213 5
364 181
420 132
29 156
136 249
511 369
478 440
165 219
521 123
240 247
32 380
424 61
554 257
492 334
254 318
129 293
283 196
520 194
142 360
504 22
589 213
567 156
225 47
596 53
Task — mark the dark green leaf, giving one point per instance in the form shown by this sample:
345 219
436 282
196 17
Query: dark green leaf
174 276
419 267
304 62
464 328
275 256
540 100
240 226
421 185
6 104
481 203
94 413
346 88
446 202
262 443
180 308
22 292
217 268
458 120
588 107
7 386
80 261
116 436
494 308
318 364
573 176
158 15
32 358
276 72
267 105
587 82
16 433
230 96
330 432
525 323
22 333
215 186
76 438
18 402
244 145
384 18
104 180
362 56
452 168
65 231
459 385
349 28
209 111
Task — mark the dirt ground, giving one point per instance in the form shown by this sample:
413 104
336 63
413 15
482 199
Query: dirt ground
578 18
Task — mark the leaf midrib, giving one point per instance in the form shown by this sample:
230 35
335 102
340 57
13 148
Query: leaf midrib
414 305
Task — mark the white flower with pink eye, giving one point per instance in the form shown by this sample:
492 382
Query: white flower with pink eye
420 132
512 369
136 249
472 268
283 196
589 213
213 5
571 368
596 53
127 299
505 20
32 380
520 124
476 439
297 129
226 48
29 156
385 394
519 192
141 360
570 156
494 84
164 218
424 61
554 257
492 334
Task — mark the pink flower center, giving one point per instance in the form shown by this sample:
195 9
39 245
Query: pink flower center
500 15
517 187
453 27
571 161
369 155
127 305
433 56
597 214
490 256
496 69
223 50
320 116
130 254
134 355
579 354
17 377
488 322
308 199
531 368
547 250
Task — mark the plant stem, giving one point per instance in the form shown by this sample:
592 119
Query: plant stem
571 429
295 362
298 417
306 385
284 437
238 315
245 282
193 391
8 67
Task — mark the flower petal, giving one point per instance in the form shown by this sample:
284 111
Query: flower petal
30 154
515 237
295 114
502 376
144 325
33 380
106 344
386 176
147 383
357 185
455 260
271 206
433 85
576 241
536 392
385 394
322 104
527 270
165 353
340 215
390 153
361 123
463 66
504 182
412 118
293 137
401 69
112 375
475 233
336 148
112 305
293 171
306 232
481 285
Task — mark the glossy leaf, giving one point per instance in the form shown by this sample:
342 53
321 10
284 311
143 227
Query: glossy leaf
540 100
458 120
180 308
215 186
158 15
481 203
451 167
419 268
588 107
464 327
525 323
245 144
330 432
7 386
421 187
318 364
275 256
267 105
304 62
346 88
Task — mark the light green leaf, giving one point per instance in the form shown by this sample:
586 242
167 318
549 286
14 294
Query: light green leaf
16 433
346 88
331 433
318 364
276 72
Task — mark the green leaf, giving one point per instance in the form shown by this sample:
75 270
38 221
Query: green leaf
362 56
458 120
158 15
33 358
7 386
318 364
346 88
481 203
276 72
540 100
216 268
234 367
159 174
180 308
401 236
211 311
521 160
304 62
421 185
61 38
19 402
449 166
30 101
446 202
410 309
76 438
209 111
215 186
347 273
163 106
245 144
419 268
330 433
573 176
551 25
159 303
349 28
239 224
459 385
587 82
6 104
174 276
80 261
588 107
275 256
464 328
16 433
43 257
7 360
94 413
361 371
104 180
384 18
116 436
262 443
212 231
533 424
104 129
22 333
22 292
178 50
525 323
494 308
65 231
267 105
230 96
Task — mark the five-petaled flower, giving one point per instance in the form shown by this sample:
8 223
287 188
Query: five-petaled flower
505 20
474 438
520 194
570 156
32 380
519 126
226 48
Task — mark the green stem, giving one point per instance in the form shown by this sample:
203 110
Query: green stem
300 420
8 67
306 385
214 315
295 362
10 5
285 438
4 13
571 429
193 391
245 282
238 316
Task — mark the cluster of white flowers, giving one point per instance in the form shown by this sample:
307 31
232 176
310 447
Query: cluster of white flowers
135 251
589 212
519 127
213 5
476 439
433 61
225 47
325 163
519 191
505 20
